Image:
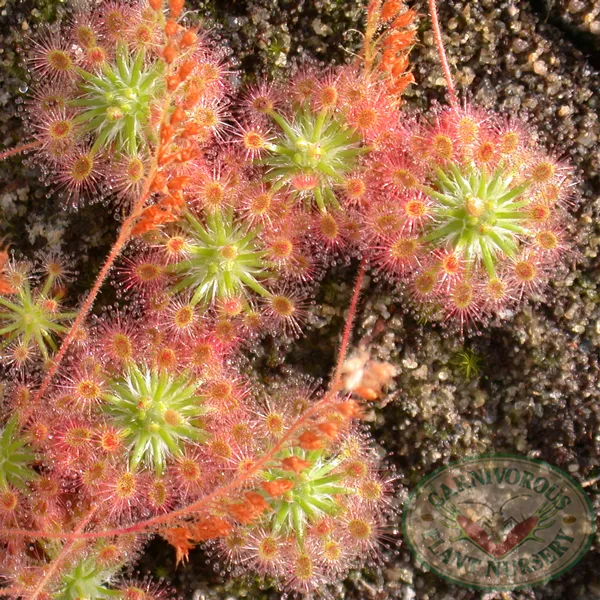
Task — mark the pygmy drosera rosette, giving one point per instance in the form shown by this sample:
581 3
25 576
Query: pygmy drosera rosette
16 457
99 83
31 318
223 259
115 104
317 509
471 214
227 262
311 144
157 411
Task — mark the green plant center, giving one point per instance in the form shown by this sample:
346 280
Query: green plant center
157 411
86 580
480 215
116 102
313 495
223 259
312 155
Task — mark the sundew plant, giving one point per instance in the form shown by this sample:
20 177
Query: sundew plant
235 203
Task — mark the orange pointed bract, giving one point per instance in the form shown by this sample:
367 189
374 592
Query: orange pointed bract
277 487
5 286
208 528
293 463
181 539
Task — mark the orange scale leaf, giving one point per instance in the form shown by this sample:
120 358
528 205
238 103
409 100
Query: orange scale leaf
209 528
293 463
309 440
278 487
181 539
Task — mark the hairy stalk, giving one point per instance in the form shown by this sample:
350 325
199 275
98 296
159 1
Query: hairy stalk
437 34
368 54
116 249
348 326
19 150
65 551
144 526
122 239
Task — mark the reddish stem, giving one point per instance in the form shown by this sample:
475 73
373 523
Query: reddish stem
373 13
123 237
62 555
437 34
19 150
349 325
